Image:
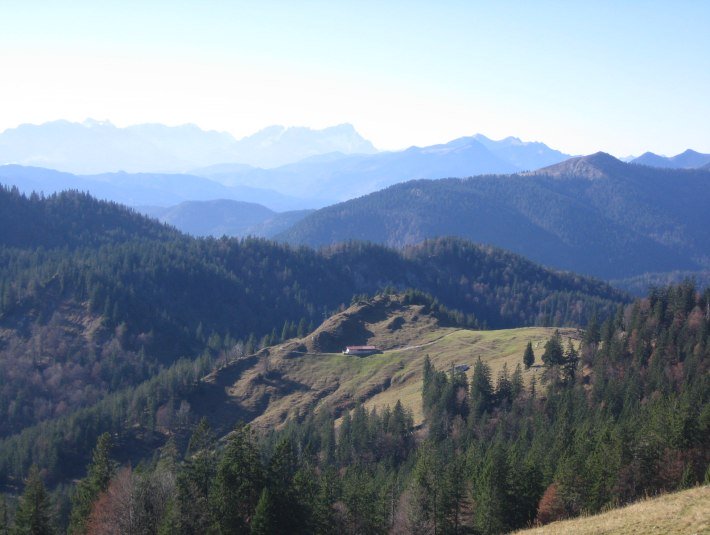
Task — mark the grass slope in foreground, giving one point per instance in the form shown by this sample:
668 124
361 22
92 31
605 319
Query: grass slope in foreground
686 512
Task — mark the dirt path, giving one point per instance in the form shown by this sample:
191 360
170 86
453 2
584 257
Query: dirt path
427 343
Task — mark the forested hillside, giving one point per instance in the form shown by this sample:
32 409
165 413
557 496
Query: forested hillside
593 215
624 416
95 300
69 221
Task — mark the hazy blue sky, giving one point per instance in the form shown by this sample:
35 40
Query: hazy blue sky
619 76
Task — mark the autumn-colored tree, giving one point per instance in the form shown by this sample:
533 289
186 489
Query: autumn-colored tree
88 489
550 507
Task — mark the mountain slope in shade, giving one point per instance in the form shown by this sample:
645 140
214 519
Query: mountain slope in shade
594 215
95 147
225 218
689 159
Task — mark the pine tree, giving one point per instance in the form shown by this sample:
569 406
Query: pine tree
99 475
289 514
569 366
592 334
238 482
33 515
516 381
481 388
193 511
264 522
528 356
504 388
491 515
554 354
428 481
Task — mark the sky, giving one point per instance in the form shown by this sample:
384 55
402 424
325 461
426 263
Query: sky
619 76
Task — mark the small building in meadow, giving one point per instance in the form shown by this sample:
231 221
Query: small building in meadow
361 351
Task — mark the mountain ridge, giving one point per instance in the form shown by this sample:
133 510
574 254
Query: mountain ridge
342 177
592 214
94 147
688 159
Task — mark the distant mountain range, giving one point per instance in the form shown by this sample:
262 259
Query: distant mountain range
341 177
94 147
314 181
225 218
594 215
685 160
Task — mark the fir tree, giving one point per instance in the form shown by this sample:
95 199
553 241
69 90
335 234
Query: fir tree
491 515
33 516
592 334
481 388
516 381
504 388
264 522
554 354
528 356
193 512
238 482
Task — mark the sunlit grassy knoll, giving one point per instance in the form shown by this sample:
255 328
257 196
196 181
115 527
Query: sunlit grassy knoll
382 379
686 512
303 375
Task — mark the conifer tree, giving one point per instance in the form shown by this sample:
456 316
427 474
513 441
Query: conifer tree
592 334
194 481
429 481
569 365
504 388
516 381
33 515
481 388
238 482
286 496
491 513
264 522
528 356
554 354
